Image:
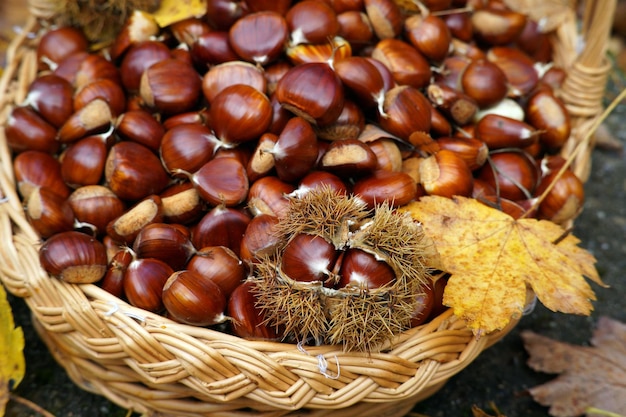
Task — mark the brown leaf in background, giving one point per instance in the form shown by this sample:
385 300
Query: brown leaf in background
590 376
494 258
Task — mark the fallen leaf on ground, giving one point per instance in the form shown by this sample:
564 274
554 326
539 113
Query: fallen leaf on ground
591 377
494 259
11 351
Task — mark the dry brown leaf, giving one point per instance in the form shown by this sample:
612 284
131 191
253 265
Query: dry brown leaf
590 376
494 258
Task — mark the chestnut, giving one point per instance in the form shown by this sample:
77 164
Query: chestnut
311 21
222 181
181 203
405 110
407 64
143 283
35 169
307 258
259 237
194 299
395 188
49 213
140 126
259 37
429 34
96 205
446 174
219 264
166 242
125 227
247 321
220 226
231 73
187 147
385 17
312 91
26 130
240 113
485 82
295 151
58 43
170 86
364 270
349 158
83 161
74 257
513 173
268 195
565 199
51 96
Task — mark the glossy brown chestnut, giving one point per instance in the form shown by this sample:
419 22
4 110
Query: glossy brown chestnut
187 147
485 82
497 26
473 151
518 68
308 258
395 188
26 130
96 205
124 228
49 213
547 113
385 17
58 43
361 269
259 37
222 181
565 199
296 150
95 117
504 132
348 158
268 195
311 21
513 174
220 226
240 113
247 321
140 126
446 174
191 298
312 91
429 34
83 161
132 181
35 169
221 265
143 283
170 86
406 110
355 27
181 203
51 96
406 63
259 237
166 242
74 257
113 280
231 73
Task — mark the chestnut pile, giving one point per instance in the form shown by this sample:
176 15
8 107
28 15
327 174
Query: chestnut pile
161 166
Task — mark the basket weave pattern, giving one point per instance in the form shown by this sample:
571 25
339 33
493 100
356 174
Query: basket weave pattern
147 363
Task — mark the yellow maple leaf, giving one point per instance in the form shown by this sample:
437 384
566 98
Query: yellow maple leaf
494 258
11 351
172 11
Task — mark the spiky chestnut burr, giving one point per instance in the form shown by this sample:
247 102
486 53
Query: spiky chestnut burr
360 317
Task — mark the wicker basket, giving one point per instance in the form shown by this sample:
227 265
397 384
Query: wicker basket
149 364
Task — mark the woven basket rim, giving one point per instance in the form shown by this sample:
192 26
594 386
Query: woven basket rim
170 366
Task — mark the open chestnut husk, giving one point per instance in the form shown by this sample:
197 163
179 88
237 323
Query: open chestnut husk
340 273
